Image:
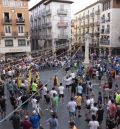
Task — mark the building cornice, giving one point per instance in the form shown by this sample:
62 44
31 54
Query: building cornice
39 3
60 1
48 1
88 7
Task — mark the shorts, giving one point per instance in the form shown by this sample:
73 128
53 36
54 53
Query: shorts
61 95
88 106
71 114
44 96
79 94
67 86
78 107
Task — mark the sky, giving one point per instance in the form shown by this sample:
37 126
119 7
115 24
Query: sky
76 6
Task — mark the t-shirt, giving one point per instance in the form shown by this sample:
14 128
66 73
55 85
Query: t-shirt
53 123
94 110
72 106
35 121
61 90
55 101
34 87
78 100
117 98
53 92
26 124
100 113
93 124
44 90
34 102
79 89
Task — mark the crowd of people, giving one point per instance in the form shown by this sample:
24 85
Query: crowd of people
26 92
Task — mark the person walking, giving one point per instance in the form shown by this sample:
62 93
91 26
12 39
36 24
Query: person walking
26 124
78 100
71 106
53 121
35 120
61 92
72 125
55 101
15 120
94 124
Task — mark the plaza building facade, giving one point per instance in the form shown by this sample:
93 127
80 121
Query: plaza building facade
87 20
110 27
50 22
14 29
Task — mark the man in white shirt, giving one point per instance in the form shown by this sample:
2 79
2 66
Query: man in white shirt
53 91
72 75
94 124
94 109
34 102
61 91
68 81
44 91
71 106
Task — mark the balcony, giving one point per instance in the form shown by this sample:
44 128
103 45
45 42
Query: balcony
61 45
63 36
92 14
49 24
7 21
62 12
20 21
87 25
87 16
102 20
107 31
104 42
107 19
39 26
27 34
97 23
97 12
92 24
62 24
48 12
97 33
44 25
92 34
102 31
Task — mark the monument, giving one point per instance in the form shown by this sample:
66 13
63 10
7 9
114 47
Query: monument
87 42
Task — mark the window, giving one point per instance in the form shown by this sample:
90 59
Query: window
6 17
8 43
21 42
7 29
5 2
19 17
117 1
20 29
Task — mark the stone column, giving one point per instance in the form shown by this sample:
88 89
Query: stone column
54 48
87 41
